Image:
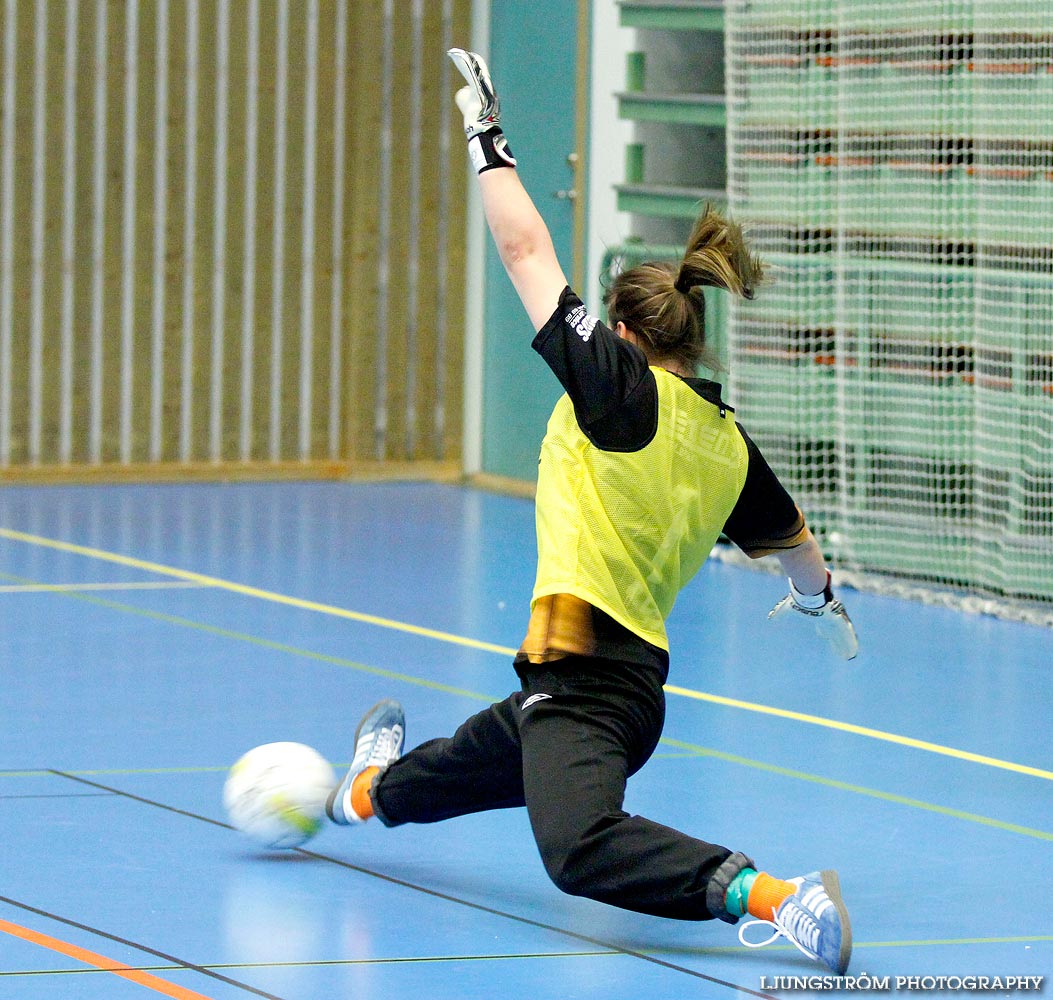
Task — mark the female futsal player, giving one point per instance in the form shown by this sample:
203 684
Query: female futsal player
642 467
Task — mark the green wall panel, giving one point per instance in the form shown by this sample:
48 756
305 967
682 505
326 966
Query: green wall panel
533 51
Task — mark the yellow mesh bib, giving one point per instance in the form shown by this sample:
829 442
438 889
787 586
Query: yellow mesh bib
626 531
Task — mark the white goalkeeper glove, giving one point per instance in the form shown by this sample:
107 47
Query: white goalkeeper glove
827 614
481 108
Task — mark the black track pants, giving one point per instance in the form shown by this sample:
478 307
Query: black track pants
564 747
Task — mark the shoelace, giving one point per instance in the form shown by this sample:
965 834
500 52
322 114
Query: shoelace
796 926
385 746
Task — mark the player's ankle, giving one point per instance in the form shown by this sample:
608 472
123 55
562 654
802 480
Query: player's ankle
756 893
361 802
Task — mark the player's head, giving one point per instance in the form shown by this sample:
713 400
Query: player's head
661 302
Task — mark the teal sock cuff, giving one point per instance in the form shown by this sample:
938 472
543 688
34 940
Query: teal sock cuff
739 891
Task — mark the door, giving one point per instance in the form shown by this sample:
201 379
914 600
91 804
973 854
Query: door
533 60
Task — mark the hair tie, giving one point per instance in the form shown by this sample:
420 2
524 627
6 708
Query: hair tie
683 285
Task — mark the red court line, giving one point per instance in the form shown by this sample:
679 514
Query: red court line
101 962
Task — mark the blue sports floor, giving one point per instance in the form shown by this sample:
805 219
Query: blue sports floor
149 635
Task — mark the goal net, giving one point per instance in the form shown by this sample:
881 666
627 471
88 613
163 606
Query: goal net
893 162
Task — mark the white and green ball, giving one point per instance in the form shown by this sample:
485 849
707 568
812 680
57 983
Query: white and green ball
275 794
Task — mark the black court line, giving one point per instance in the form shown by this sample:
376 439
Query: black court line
178 962
435 894
320 963
415 959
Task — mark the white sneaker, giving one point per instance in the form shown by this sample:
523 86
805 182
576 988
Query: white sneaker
378 743
814 919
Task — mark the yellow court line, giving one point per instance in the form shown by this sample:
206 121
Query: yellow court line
338 612
46 588
876 734
246 591
691 749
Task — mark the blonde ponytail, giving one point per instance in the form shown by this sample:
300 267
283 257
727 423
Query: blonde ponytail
717 255
662 304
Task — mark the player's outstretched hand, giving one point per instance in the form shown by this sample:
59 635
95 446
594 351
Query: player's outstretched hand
829 617
487 145
478 102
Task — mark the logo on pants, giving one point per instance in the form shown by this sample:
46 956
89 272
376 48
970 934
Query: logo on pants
533 700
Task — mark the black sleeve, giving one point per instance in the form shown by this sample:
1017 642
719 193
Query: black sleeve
765 520
613 391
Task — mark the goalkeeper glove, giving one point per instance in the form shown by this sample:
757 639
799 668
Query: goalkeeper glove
827 614
487 144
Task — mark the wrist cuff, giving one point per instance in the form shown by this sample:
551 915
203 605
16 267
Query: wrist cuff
813 601
490 149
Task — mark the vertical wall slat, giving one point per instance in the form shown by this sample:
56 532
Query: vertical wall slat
219 230
278 235
248 308
336 317
380 415
69 188
39 184
307 256
413 243
442 246
128 211
186 427
98 232
7 247
160 199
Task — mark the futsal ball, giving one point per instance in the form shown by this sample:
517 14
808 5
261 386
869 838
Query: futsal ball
275 794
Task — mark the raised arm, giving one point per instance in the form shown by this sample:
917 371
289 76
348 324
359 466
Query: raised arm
520 234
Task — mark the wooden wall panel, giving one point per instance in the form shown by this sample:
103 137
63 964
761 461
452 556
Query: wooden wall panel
181 259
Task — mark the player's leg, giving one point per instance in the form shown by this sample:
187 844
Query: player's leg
477 768
565 747
580 745
599 725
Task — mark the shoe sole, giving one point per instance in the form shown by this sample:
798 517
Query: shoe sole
832 885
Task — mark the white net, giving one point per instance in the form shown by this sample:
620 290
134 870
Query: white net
893 161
